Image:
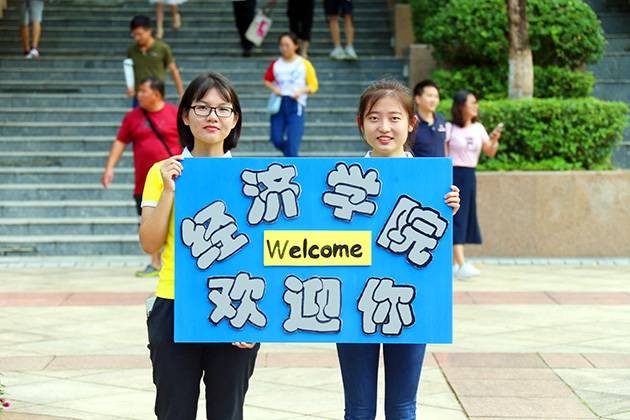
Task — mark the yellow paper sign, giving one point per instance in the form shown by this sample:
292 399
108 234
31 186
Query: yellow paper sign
317 248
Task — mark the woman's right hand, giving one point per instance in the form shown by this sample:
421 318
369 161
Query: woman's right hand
277 91
171 169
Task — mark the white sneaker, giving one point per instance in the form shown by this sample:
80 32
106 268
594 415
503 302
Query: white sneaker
337 53
467 270
456 271
33 53
350 53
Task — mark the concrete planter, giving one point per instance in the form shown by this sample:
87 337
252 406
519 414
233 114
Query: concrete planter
553 214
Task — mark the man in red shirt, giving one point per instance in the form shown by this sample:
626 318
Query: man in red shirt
143 126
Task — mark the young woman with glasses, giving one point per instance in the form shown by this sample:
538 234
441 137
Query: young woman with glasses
209 123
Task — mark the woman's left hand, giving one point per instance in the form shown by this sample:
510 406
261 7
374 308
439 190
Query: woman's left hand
244 345
452 199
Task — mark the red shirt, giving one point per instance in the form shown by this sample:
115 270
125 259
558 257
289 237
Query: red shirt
147 147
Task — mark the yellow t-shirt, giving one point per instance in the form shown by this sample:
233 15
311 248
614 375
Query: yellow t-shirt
153 187
152 191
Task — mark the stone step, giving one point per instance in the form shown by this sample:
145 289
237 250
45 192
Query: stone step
607 6
120 100
232 47
204 35
618 43
190 16
621 153
250 115
613 90
71 191
248 145
253 129
68 208
612 66
325 88
199 63
236 77
24 226
124 173
72 244
65 160
615 22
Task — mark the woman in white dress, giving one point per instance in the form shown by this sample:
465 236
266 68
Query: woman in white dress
159 15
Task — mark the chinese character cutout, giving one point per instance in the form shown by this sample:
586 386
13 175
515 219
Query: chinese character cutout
412 230
383 303
352 190
211 235
314 304
236 299
273 191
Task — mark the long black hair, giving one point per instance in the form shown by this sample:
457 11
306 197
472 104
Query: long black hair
196 90
459 100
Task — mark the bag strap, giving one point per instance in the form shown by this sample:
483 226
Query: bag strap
268 8
157 133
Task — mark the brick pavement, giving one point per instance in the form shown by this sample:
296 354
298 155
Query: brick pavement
531 341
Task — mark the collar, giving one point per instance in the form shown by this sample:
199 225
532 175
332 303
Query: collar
369 154
422 121
186 153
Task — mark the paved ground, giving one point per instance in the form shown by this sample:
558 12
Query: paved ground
532 340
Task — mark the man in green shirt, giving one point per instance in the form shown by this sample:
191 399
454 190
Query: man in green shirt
150 56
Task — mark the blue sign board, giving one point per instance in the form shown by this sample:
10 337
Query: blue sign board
352 250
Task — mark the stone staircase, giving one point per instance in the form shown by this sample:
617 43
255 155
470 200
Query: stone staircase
59 114
612 72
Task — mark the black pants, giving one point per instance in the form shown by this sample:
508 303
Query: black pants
244 12
179 367
300 13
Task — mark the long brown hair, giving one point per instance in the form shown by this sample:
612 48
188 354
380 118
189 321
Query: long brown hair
385 87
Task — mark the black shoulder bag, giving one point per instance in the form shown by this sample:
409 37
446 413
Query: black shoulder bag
157 133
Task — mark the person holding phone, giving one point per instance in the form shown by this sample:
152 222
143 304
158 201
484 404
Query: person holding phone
465 139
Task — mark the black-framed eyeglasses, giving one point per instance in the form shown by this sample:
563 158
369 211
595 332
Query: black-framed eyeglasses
204 111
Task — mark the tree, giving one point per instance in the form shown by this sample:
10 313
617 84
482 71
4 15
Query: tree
521 63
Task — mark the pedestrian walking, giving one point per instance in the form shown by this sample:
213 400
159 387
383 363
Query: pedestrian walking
209 123
387 122
159 15
152 129
151 57
31 12
430 138
290 77
244 12
300 13
465 139
332 9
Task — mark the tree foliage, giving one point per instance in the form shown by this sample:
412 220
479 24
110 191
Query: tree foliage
564 33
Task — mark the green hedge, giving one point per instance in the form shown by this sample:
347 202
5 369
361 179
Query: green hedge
552 134
564 33
491 82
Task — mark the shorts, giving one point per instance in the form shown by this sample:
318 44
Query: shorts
332 7
31 9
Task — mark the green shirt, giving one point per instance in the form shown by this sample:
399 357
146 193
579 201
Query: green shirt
151 62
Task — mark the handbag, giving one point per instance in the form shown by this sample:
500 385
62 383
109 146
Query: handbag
157 133
273 104
260 25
